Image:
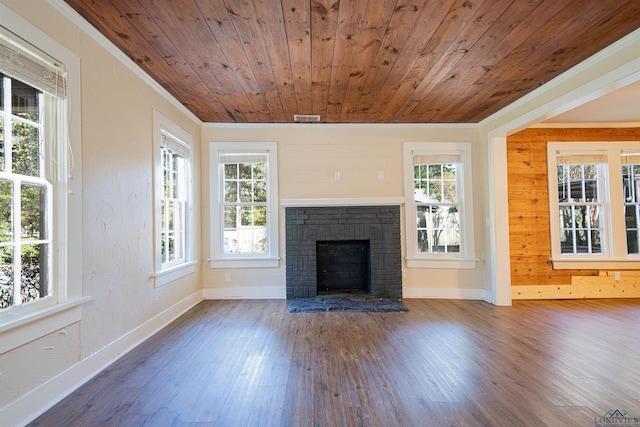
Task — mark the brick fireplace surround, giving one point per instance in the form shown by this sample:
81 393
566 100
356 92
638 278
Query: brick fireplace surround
380 225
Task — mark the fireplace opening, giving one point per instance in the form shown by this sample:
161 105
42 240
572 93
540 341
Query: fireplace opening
343 266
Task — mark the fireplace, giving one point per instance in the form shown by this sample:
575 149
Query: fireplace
343 266
311 228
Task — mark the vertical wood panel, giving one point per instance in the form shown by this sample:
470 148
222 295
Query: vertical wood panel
529 204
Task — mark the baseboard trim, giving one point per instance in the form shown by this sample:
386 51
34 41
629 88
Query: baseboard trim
246 292
22 411
445 293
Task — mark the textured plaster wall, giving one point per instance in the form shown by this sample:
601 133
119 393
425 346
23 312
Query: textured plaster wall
117 126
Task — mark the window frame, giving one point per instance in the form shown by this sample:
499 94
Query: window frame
27 322
613 254
180 142
218 258
465 258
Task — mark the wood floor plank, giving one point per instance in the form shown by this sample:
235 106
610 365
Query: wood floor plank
444 362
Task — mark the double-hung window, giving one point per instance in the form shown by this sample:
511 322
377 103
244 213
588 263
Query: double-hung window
245 214
439 205
32 91
40 184
173 212
593 204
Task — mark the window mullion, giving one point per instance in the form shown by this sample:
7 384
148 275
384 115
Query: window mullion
17 239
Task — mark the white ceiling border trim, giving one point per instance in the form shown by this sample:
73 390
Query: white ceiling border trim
288 125
591 125
92 32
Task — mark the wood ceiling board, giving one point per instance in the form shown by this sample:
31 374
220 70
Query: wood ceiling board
524 65
297 15
398 31
224 32
388 61
377 15
350 20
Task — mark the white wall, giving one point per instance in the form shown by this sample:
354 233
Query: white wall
309 155
116 158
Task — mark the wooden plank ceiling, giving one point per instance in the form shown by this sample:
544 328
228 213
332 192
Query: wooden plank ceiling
356 61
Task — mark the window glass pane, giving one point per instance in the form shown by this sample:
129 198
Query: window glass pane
26 149
230 217
260 192
453 241
633 238
179 215
435 191
1 92
245 191
170 216
6 211
259 237
245 170
246 216
163 247
449 171
260 216
231 171
32 283
6 276
260 171
171 246
231 191
450 192
33 203
595 244
25 101
2 150
174 183
435 172
166 176
631 190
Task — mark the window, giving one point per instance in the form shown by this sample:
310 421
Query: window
28 107
40 184
631 190
173 201
245 216
593 203
439 205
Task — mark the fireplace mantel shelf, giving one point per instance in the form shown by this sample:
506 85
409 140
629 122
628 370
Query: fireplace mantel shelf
362 201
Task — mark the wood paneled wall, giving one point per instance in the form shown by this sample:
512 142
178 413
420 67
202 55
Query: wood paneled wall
531 273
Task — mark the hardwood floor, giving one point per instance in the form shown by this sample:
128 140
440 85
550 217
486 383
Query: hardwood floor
443 363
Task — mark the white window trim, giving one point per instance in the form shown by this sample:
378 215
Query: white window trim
615 254
218 258
25 323
164 275
466 258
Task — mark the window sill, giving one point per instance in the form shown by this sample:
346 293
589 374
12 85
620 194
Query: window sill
595 264
446 263
174 273
247 262
25 328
